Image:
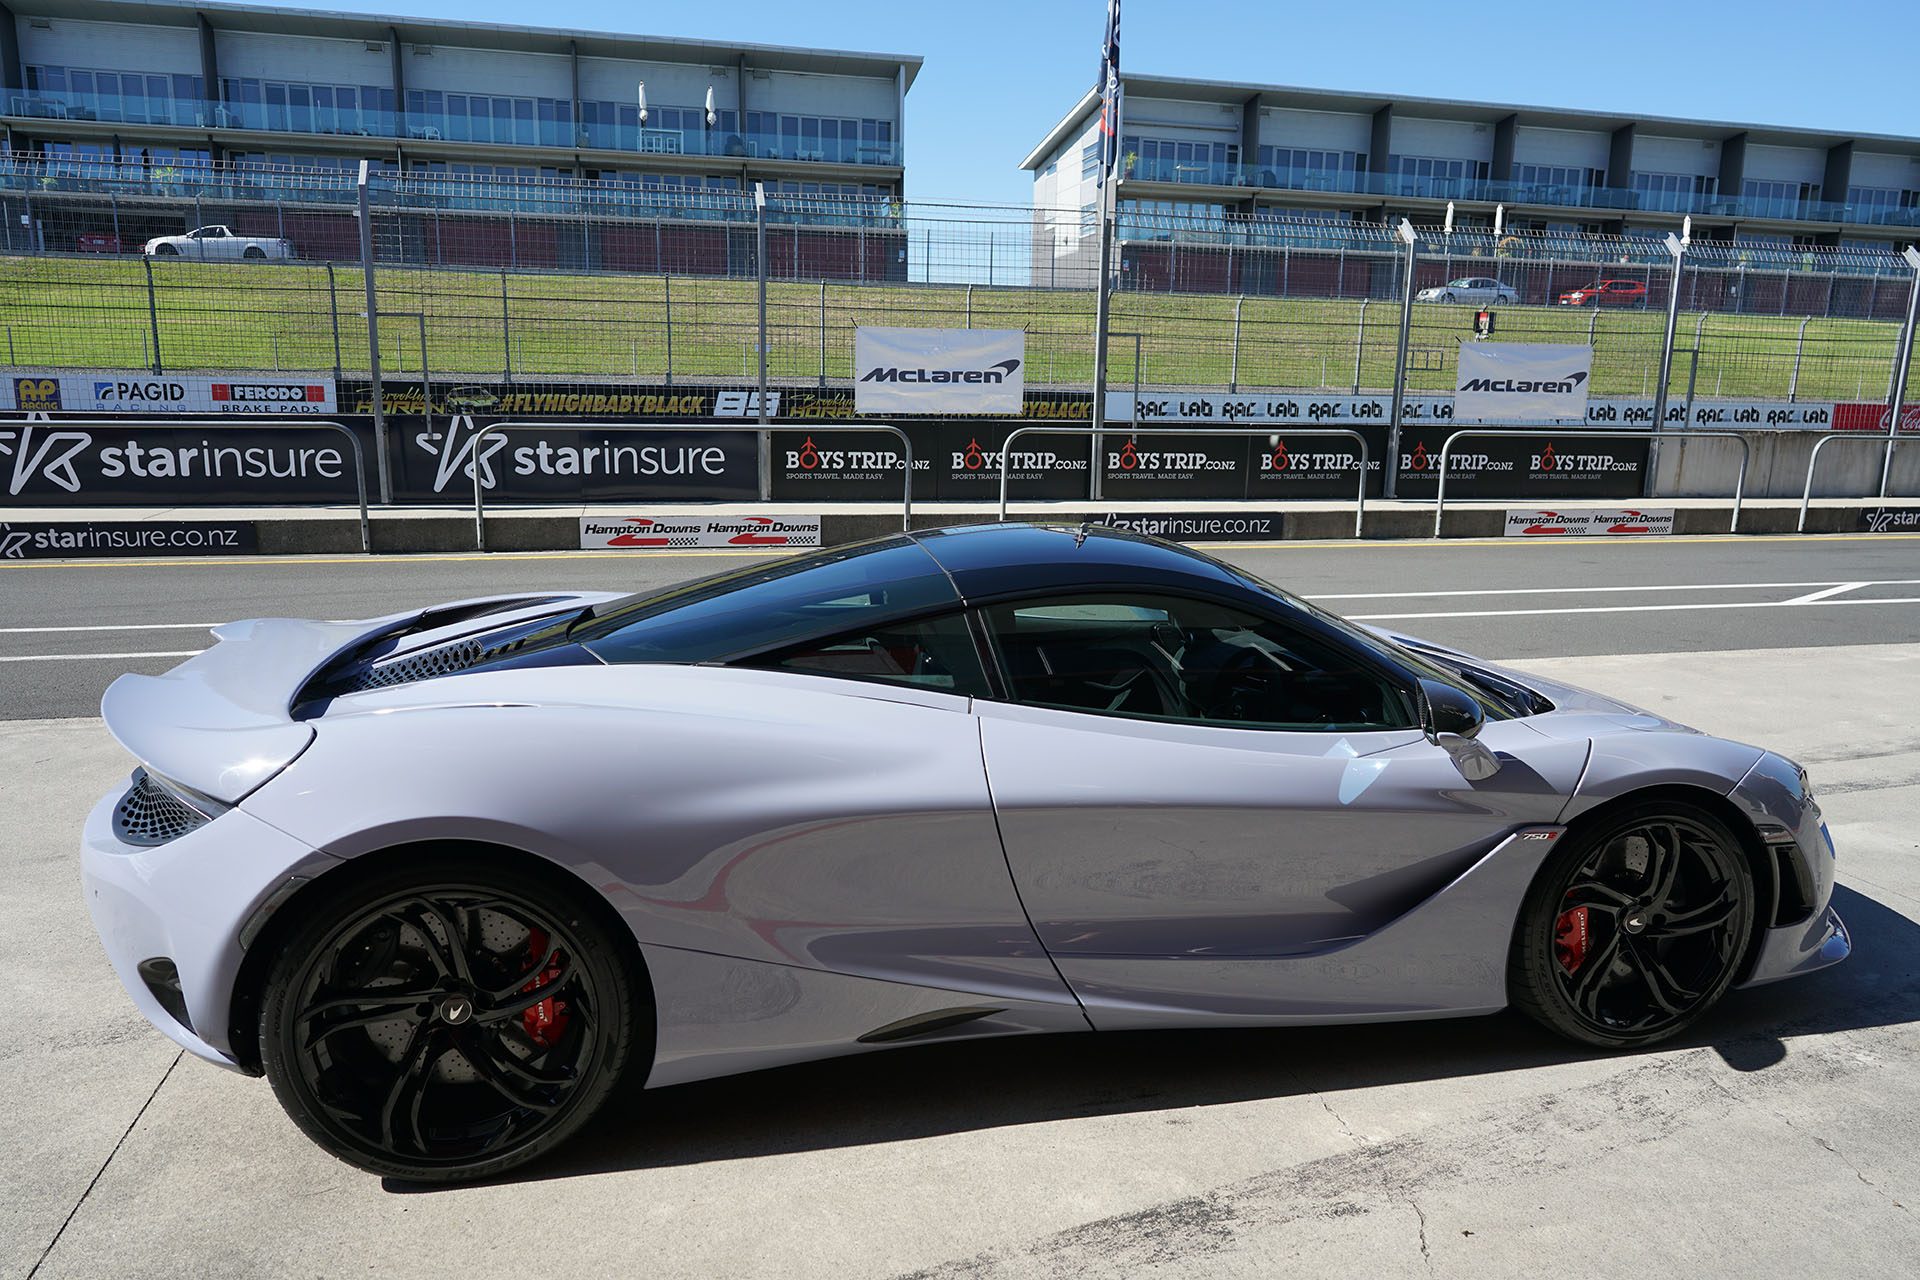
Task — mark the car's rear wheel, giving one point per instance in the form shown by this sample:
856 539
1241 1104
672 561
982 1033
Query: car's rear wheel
449 1019
1633 930
254 251
1446 297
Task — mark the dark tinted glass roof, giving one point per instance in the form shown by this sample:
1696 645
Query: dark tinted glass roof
994 560
768 605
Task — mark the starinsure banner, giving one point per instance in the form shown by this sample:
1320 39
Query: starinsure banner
942 371
1522 382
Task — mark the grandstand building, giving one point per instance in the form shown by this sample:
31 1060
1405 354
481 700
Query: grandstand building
181 86
1222 161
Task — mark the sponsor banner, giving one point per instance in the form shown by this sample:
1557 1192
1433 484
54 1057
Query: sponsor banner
1580 524
504 400
566 463
952 461
129 391
1316 410
1198 526
1153 466
48 463
1873 417
943 371
1559 464
1890 520
40 540
1305 466
849 465
1522 382
667 533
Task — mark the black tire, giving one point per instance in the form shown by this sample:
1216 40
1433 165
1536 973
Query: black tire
253 251
167 251
1446 297
1621 944
466 1076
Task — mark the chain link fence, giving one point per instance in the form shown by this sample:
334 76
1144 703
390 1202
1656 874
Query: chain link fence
559 279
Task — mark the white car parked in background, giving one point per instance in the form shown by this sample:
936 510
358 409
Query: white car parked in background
1470 289
218 243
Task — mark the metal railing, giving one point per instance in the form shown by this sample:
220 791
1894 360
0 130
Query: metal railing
1360 497
501 428
1446 453
1891 440
230 424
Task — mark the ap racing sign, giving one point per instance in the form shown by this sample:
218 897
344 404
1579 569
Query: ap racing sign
127 391
1522 382
672 533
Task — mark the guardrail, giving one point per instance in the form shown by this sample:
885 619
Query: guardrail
235 423
1360 498
501 428
1890 440
1739 484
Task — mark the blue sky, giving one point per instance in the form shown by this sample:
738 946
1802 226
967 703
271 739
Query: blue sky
998 73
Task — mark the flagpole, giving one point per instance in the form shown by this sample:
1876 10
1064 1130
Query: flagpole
1110 95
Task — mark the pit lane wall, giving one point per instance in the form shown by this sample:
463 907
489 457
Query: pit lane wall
48 459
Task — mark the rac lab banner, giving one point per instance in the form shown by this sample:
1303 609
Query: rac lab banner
939 371
1522 382
672 533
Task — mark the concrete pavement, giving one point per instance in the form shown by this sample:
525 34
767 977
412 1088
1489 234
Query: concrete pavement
1780 1140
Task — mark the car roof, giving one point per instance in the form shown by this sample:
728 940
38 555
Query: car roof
990 560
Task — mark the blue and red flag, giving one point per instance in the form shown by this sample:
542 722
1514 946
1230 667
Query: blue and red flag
1110 93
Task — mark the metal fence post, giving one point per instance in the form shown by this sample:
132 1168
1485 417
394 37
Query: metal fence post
115 198
382 464
1678 248
969 323
506 330
153 314
333 310
1896 399
1233 372
823 333
1360 344
1799 350
667 307
1411 240
1102 319
760 271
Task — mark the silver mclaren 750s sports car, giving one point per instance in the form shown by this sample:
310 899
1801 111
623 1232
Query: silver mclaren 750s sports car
452 877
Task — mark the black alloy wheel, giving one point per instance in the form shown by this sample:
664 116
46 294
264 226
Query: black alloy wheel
1631 933
439 1027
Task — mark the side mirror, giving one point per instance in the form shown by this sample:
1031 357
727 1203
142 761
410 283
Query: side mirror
1446 711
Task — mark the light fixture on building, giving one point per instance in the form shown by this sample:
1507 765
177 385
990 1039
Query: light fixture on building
1499 216
712 117
1686 229
1448 229
640 92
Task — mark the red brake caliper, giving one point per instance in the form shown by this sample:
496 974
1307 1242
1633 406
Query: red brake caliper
546 1021
1569 939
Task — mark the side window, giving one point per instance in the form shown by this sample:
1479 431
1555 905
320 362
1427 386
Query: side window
932 653
1197 662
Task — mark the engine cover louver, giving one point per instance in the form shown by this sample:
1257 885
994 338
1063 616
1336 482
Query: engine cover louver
442 661
149 814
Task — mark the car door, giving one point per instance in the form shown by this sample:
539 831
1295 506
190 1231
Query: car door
1193 797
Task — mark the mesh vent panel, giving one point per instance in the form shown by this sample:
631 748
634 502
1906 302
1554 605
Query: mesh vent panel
149 814
421 666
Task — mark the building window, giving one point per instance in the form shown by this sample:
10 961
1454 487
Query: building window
1090 162
1309 170
1674 192
1556 180
1768 198
1434 176
1178 160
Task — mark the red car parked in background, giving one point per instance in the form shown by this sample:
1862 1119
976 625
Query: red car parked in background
96 242
1607 293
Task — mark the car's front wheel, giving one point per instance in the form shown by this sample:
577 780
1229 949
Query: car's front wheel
254 251
448 1019
1635 928
167 251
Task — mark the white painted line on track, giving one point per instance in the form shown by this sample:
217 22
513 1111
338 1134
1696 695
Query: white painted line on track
134 626
1834 590
1622 608
77 657
1582 591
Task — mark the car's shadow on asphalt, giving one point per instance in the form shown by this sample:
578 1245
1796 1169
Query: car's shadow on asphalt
984 1084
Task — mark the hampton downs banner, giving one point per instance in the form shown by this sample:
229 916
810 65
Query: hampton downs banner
943 371
1522 382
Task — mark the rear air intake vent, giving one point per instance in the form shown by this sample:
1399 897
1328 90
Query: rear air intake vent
149 814
443 661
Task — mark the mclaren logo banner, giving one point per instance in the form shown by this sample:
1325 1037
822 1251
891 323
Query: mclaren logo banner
1522 382
943 371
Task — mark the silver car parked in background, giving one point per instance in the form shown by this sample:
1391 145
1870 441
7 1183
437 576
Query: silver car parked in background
1473 289
450 878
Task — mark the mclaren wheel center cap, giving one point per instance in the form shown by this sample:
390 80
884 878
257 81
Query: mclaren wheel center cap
1635 922
455 1010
